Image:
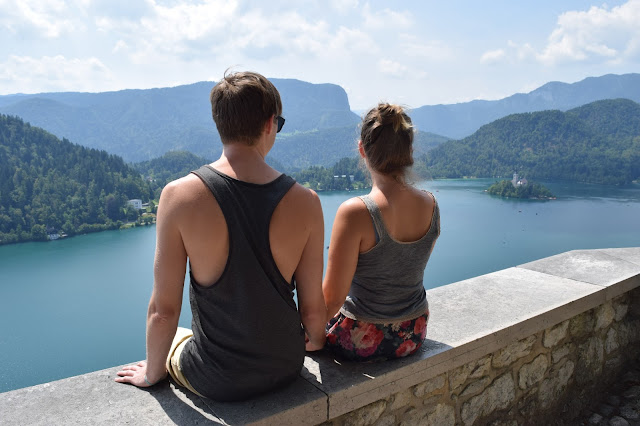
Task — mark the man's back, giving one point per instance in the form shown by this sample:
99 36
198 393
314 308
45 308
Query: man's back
232 312
204 229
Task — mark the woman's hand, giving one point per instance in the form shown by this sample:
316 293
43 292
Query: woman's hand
137 375
311 347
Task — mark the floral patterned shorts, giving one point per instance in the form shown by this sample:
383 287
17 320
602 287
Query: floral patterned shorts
364 341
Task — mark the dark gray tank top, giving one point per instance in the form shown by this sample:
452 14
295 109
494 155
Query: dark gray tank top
247 333
387 285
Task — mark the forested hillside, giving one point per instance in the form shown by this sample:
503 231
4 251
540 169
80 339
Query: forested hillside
49 185
139 125
597 143
344 175
327 146
173 165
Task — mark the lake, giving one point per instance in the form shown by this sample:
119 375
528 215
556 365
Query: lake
77 305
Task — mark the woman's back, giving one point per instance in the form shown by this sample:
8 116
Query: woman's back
380 245
406 213
387 282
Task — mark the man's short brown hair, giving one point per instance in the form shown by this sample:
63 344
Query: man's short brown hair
241 103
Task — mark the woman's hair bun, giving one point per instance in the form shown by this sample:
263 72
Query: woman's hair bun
394 114
387 138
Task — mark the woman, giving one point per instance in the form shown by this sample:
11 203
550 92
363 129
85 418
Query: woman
380 245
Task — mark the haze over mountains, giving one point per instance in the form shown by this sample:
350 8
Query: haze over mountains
143 124
460 120
140 125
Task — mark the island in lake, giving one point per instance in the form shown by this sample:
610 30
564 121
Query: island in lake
520 188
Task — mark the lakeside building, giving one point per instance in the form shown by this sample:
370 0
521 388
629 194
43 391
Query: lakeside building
136 203
517 181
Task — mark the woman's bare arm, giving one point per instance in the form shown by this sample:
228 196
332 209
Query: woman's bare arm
346 236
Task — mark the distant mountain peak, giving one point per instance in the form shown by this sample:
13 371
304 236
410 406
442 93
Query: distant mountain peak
460 120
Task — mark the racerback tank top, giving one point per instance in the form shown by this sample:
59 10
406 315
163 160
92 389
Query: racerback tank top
247 332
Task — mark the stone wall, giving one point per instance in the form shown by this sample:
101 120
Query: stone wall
532 344
548 376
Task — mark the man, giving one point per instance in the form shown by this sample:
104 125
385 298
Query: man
249 233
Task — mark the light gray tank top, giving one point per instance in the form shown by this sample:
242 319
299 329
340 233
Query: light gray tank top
387 285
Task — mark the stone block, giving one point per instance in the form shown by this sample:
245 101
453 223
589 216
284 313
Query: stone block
612 365
501 422
401 399
611 342
555 334
430 386
618 421
621 310
95 399
624 334
558 354
555 384
480 367
388 420
513 352
633 392
634 305
606 409
366 415
590 359
595 419
473 369
457 377
582 325
613 400
528 405
441 414
630 412
589 266
634 331
476 386
533 372
605 314
496 397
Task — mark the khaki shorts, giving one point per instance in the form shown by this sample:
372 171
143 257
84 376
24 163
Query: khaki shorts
173 360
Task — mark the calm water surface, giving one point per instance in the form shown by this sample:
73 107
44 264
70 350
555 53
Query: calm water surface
77 305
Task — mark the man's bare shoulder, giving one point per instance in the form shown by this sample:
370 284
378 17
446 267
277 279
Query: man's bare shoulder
304 197
186 190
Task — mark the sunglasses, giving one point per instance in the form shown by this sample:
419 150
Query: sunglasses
280 123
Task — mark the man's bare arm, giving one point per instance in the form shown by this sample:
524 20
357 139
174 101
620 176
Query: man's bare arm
166 298
308 277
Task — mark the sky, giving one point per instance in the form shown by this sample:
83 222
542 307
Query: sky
416 53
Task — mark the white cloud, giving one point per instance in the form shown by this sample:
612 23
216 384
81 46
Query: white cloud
43 18
522 52
598 34
343 6
493 56
386 19
120 45
398 70
433 50
392 68
191 31
54 73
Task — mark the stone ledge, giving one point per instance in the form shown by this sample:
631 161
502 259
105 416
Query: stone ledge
469 319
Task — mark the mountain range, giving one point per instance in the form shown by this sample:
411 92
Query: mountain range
597 143
460 120
140 125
